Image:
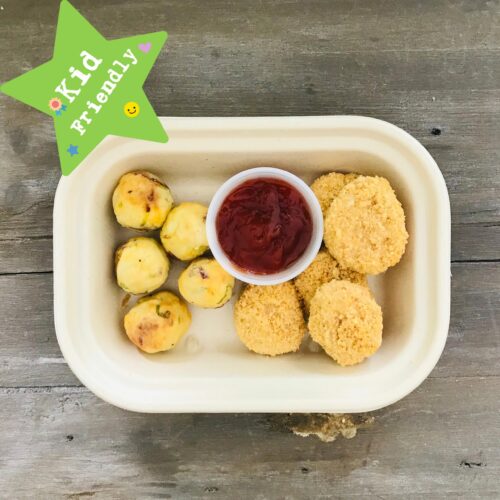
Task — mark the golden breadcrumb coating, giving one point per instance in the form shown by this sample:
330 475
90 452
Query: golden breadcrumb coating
352 276
346 321
328 186
323 269
365 226
269 319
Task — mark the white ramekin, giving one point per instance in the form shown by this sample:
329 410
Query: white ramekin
300 264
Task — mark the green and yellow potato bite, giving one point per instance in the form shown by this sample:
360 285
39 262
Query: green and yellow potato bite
183 233
141 201
205 283
141 265
156 323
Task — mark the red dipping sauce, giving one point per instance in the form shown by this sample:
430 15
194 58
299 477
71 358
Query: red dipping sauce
264 225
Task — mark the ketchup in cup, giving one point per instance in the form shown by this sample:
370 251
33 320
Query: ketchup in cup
264 225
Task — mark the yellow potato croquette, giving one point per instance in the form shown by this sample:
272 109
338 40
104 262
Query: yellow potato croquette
157 322
184 234
365 226
141 265
205 283
346 322
141 201
323 269
328 186
269 320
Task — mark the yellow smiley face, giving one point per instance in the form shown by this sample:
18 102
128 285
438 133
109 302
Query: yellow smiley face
131 109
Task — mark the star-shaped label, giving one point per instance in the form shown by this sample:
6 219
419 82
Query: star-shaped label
92 87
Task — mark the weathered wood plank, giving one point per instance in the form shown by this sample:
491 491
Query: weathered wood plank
30 356
424 66
475 322
344 25
26 255
440 440
469 242
466 149
421 65
475 242
467 155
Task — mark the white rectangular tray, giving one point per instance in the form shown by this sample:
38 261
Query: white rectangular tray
210 370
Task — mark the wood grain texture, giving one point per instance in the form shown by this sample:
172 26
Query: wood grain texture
430 67
26 255
469 243
467 155
30 356
440 441
435 66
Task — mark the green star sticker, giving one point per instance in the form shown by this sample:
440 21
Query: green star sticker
92 87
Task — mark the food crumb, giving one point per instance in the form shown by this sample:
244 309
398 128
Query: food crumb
126 300
312 346
325 426
193 345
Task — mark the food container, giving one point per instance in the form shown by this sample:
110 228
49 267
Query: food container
302 262
210 370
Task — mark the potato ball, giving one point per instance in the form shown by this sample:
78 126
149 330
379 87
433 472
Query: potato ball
141 201
365 226
346 321
269 319
323 269
328 186
157 322
141 265
205 283
184 234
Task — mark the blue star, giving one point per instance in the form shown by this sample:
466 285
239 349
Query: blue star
72 150
58 112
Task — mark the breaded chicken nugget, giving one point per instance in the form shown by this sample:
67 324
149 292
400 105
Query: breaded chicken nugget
346 321
365 226
269 319
328 186
323 269
352 276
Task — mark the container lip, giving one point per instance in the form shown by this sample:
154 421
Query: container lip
305 259
237 393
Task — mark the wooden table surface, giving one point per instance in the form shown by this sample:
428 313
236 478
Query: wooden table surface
429 66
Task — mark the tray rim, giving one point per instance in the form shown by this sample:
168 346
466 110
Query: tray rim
189 124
